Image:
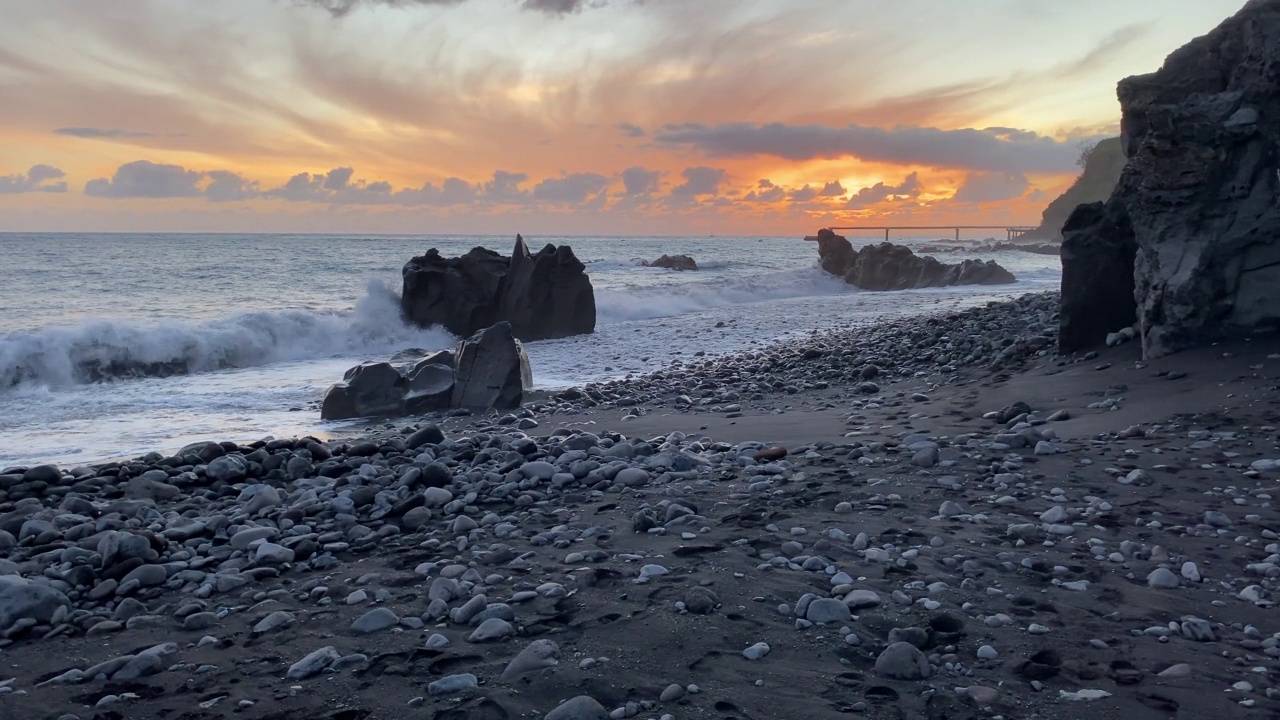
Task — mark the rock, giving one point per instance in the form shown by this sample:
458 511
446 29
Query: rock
903 661
274 621
313 664
1097 276
492 629
581 707
756 652
493 370
827 610
543 296
375 620
1162 578
428 434
23 599
429 386
453 684
893 267
371 389
227 468
700 601
538 655
674 262
632 477
1199 190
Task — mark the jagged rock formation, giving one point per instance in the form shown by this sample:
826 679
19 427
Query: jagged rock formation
1102 170
544 295
1197 204
893 267
674 262
489 370
1097 263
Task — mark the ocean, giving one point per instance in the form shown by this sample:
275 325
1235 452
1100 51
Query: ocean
266 323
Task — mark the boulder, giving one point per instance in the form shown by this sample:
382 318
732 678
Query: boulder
893 267
1097 276
544 295
674 262
1202 138
493 370
371 389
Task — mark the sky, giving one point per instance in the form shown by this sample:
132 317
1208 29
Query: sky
576 117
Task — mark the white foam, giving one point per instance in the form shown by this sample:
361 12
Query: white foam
57 356
655 301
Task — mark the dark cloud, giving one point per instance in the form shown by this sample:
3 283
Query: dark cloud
630 130
992 149
570 189
833 189
638 181
991 187
37 179
908 188
700 181
99 133
765 191
505 187
226 186
555 7
144 179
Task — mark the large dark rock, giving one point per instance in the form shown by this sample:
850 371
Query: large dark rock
1200 189
674 262
493 370
1097 276
379 389
545 295
893 267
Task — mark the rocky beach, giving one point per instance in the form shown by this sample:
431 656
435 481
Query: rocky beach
932 518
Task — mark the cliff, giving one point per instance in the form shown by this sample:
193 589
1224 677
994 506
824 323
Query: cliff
1101 172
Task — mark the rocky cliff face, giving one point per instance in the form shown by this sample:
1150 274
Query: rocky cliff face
1198 204
893 267
1096 183
543 295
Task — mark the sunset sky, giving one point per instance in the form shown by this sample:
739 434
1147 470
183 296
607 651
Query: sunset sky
559 116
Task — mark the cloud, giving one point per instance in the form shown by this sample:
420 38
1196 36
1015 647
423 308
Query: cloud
980 187
34 180
992 149
342 8
99 133
639 181
908 188
765 191
630 130
570 189
833 189
700 181
145 179
226 186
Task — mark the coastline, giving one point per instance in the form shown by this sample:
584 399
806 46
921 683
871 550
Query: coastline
1023 558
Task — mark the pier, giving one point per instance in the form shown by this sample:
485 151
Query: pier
1012 231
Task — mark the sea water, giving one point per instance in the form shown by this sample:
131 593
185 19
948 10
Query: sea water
267 323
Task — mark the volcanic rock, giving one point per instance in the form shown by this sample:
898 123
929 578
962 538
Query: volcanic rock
493 370
674 262
544 295
893 267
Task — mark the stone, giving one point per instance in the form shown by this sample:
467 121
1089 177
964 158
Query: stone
453 684
538 655
493 370
428 386
227 468
23 599
544 295
371 389
862 599
828 610
674 262
756 652
632 477
582 707
491 630
429 434
376 620
313 663
893 267
1162 578
903 661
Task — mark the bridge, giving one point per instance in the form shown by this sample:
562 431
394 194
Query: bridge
1012 231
